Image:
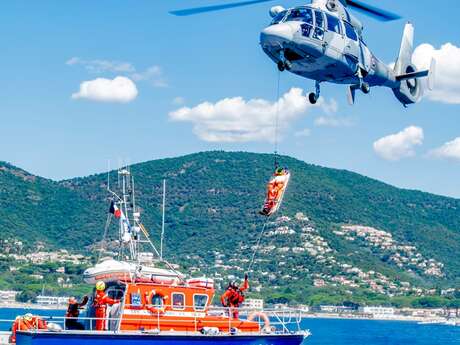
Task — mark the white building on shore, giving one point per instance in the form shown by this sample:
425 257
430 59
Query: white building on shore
253 303
378 311
8 296
51 300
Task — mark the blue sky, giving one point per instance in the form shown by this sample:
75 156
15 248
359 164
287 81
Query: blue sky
50 48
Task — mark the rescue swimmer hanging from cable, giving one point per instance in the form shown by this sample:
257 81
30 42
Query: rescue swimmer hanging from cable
276 188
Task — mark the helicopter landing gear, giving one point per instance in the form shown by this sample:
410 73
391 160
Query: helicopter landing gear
365 88
313 96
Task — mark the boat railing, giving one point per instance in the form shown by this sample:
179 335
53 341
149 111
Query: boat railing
271 321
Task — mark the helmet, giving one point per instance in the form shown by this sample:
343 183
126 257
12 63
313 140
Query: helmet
28 317
100 285
279 171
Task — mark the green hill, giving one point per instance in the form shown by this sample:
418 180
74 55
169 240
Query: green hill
212 204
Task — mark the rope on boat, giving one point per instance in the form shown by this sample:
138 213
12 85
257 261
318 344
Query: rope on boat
106 229
146 234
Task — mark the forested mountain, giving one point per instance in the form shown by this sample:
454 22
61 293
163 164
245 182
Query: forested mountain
212 221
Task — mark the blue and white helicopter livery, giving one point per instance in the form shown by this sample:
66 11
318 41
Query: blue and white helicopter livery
322 41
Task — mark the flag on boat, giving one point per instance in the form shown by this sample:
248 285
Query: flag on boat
115 210
275 191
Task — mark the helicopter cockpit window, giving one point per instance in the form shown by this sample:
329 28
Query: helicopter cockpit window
350 31
301 15
278 18
333 24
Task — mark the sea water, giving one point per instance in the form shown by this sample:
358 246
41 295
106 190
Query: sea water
332 331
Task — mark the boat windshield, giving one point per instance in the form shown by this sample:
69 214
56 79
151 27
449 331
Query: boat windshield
278 18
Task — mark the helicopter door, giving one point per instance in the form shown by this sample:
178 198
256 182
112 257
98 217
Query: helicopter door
334 38
352 48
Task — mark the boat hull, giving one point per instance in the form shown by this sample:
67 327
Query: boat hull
109 338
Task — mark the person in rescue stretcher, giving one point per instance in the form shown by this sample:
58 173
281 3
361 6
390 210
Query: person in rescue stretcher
234 296
275 191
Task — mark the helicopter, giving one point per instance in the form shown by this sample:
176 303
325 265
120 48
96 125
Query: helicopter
324 42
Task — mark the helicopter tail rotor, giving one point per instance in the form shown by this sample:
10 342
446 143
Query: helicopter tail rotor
409 89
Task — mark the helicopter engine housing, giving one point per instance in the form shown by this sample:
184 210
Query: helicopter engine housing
410 90
275 10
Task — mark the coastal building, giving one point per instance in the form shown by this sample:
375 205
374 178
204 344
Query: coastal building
51 300
8 296
253 303
378 311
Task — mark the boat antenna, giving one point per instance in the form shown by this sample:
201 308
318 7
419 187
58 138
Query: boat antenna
108 174
163 220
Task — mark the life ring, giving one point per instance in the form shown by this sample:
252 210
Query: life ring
155 308
264 317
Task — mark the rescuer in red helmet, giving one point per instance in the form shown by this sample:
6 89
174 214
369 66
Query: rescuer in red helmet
234 296
101 300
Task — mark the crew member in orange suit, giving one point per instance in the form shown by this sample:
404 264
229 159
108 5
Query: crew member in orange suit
234 297
101 300
28 321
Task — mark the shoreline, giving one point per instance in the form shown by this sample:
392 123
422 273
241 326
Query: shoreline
306 315
22 305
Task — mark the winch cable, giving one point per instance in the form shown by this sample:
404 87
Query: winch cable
277 118
275 153
256 249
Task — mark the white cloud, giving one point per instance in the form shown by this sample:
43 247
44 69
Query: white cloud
450 150
152 74
333 121
447 76
400 145
120 89
178 100
101 66
303 133
238 120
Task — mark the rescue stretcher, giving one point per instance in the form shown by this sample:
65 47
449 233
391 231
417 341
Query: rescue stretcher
276 188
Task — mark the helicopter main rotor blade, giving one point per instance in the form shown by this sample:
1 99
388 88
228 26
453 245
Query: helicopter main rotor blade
372 11
197 10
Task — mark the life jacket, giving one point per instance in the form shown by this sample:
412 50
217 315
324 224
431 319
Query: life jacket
236 298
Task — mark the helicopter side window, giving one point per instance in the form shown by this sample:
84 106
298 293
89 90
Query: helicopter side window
333 24
318 32
350 31
278 18
319 19
301 15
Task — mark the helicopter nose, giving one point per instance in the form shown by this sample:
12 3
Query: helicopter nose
276 34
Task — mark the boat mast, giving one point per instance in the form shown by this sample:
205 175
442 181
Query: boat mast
163 220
